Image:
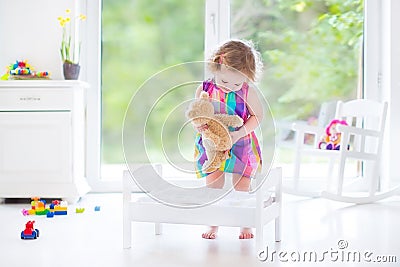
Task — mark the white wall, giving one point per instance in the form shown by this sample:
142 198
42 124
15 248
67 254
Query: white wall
29 30
391 89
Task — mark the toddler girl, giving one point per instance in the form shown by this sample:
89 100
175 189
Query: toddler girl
234 65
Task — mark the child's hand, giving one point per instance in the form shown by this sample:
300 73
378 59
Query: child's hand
235 136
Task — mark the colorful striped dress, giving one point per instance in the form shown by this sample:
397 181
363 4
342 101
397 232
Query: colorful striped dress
245 154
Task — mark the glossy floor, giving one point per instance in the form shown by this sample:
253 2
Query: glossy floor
333 234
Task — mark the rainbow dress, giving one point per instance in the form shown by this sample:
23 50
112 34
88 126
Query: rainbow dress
245 154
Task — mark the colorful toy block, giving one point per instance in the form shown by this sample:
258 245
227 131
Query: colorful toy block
79 210
38 207
31 212
58 210
25 212
42 211
59 207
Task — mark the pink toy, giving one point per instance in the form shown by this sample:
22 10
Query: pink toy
25 212
331 139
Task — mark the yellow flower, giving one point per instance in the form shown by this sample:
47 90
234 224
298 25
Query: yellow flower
70 46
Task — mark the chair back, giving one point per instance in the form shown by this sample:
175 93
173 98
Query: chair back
364 114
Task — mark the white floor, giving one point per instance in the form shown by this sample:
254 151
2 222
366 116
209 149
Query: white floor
317 227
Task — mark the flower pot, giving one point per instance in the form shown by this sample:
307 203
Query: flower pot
71 71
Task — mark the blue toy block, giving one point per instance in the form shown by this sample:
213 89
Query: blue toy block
60 212
97 208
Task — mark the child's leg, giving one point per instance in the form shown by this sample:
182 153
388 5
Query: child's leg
214 180
242 184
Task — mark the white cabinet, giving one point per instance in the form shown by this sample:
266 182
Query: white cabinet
42 139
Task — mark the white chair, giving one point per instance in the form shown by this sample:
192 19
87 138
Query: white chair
361 139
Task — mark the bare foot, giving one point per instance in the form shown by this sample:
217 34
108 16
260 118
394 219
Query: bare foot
246 233
211 233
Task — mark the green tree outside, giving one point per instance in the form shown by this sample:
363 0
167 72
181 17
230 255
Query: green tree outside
311 51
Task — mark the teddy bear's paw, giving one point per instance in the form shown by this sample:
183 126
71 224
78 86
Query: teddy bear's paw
238 121
210 170
209 167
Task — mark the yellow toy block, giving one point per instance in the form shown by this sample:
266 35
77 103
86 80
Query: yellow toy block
31 212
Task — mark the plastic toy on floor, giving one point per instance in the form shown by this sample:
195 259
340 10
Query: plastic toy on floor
79 210
331 139
25 212
38 207
30 232
59 207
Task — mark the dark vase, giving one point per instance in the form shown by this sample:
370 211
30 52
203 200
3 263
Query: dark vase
71 71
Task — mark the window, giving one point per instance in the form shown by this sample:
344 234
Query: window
140 38
159 33
312 52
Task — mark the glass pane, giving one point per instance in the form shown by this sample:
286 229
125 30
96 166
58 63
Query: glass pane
311 52
140 38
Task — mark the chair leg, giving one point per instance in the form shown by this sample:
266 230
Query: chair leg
278 229
259 236
127 233
158 228
374 180
342 162
296 171
330 174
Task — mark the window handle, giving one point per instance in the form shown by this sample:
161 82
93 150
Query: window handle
212 19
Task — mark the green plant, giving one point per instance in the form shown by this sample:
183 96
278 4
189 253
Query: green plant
70 43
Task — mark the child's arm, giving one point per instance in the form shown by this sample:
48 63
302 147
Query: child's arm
198 91
256 115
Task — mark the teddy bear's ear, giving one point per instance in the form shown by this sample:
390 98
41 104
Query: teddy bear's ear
204 95
189 114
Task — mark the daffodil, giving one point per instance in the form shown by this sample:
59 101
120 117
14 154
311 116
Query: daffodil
70 47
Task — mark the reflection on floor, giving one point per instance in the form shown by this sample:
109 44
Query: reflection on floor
313 230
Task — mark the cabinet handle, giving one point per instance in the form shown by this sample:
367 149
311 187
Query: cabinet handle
30 98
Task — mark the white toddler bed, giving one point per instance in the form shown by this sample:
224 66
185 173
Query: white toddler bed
259 208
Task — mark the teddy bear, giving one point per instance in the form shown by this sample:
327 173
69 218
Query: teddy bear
331 139
213 129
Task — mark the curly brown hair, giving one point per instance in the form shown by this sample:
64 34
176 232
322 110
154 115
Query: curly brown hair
240 55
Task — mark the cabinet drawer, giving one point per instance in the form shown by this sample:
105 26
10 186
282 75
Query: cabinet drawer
36 99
